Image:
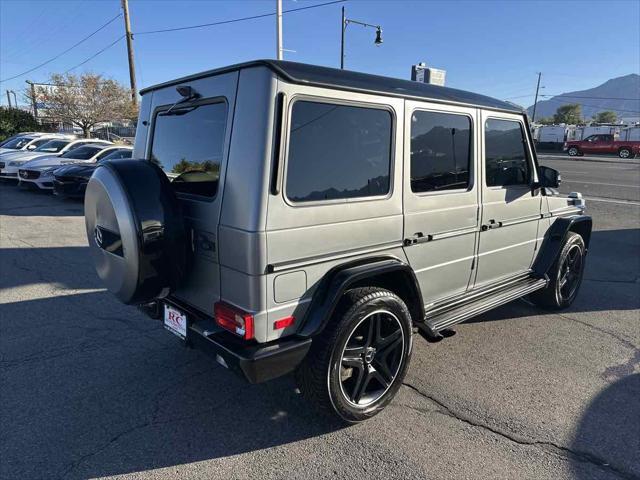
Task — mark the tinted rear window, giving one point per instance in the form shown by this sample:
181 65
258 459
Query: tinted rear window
116 155
82 153
188 145
440 151
338 152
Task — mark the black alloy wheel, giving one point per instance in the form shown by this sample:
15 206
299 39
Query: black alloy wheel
357 364
371 358
571 272
565 276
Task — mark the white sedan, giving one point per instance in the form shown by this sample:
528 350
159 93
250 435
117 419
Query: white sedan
39 172
27 142
11 162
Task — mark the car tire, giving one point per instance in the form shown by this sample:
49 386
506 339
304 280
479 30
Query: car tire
356 366
565 276
573 151
624 153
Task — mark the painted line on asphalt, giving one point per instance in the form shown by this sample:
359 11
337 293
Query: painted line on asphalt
600 183
610 200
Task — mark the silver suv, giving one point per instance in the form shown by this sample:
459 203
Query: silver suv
294 218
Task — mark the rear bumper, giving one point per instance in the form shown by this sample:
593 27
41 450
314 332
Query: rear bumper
255 362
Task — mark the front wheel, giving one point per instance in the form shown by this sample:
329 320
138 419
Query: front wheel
356 366
624 153
573 152
565 277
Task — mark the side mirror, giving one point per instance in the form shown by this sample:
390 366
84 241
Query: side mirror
31 147
548 177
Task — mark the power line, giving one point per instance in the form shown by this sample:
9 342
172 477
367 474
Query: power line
62 53
95 54
597 106
590 98
576 96
234 20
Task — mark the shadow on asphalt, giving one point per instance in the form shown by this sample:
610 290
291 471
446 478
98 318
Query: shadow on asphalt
608 284
34 202
93 389
610 427
30 261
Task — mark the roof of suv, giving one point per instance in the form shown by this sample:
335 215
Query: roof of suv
302 73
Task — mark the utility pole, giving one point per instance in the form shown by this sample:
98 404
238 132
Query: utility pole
343 27
33 99
535 103
279 30
132 68
8 98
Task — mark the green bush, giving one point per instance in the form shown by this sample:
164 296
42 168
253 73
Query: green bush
14 120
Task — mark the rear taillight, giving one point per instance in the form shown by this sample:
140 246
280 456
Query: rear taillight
233 319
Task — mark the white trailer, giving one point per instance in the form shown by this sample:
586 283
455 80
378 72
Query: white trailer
552 134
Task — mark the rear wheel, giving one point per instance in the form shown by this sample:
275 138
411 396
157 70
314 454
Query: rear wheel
624 152
357 365
565 276
573 151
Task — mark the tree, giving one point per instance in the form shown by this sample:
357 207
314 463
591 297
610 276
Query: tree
14 120
607 116
86 100
569 114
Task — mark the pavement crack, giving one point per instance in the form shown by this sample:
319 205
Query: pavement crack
623 340
604 280
549 446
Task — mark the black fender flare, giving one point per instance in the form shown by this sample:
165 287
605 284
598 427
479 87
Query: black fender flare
340 278
555 238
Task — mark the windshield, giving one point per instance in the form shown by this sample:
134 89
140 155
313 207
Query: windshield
17 143
52 146
117 154
82 153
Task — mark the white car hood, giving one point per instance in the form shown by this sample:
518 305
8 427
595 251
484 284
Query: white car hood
23 156
47 161
9 150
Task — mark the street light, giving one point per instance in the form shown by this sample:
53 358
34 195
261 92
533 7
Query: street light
346 21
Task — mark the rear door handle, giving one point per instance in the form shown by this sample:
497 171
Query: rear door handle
492 225
417 238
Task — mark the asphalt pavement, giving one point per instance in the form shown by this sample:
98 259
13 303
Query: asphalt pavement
90 388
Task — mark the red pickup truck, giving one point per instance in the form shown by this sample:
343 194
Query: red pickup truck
603 144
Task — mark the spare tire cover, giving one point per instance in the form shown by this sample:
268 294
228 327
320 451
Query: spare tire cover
135 230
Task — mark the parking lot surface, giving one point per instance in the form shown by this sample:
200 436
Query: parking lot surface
90 388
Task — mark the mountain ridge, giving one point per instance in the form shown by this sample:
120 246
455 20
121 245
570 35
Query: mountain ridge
620 94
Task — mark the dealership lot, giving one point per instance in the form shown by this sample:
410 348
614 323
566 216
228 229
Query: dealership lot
90 388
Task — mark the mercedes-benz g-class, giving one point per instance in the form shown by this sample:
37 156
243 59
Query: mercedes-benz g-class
294 218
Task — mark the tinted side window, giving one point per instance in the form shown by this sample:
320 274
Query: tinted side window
188 145
337 152
505 155
440 151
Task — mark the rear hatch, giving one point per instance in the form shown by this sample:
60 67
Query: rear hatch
186 131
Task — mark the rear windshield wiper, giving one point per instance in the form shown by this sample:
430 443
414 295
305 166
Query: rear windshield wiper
177 111
188 94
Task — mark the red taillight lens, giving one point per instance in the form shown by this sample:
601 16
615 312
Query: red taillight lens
283 323
233 319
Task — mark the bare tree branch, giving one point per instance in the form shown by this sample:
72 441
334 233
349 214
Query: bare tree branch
86 100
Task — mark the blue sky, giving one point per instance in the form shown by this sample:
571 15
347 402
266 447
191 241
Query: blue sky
490 47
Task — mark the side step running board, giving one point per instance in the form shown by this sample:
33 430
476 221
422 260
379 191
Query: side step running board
445 316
